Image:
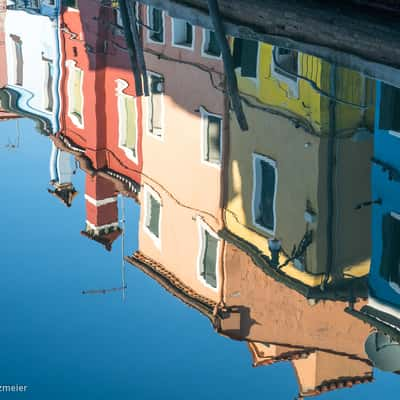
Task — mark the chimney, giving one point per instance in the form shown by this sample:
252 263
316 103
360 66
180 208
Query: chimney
101 211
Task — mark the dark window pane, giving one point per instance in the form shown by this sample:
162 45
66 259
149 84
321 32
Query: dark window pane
245 54
390 108
389 268
265 207
213 139
154 216
213 46
210 259
287 61
189 34
156 22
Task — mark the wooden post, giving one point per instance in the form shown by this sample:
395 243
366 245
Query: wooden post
138 46
228 64
131 47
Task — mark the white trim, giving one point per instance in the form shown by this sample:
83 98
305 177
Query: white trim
204 117
101 227
256 193
121 86
375 303
395 215
99 203
202 227
149 39
205 38
293 84
70 64
394 133
146 114
148 191
181 46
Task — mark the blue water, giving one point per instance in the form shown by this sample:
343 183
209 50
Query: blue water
65 345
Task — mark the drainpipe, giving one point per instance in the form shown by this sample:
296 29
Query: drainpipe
330 176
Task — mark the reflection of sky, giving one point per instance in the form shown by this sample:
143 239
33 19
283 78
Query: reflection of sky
66 345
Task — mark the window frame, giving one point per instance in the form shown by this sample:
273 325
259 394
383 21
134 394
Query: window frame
204 119
148 191
178 45
202 227
122 129
257 159
293 84
149 24
148 105
72 67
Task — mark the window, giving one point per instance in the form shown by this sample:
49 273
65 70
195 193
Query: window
182 33
211 137
390 262
286 62
48 85
118 18
71 3
152 218
208 255
285 68
18 60
210 44
264 193
245 57
155 114
127 121
390 108
155 20
75 94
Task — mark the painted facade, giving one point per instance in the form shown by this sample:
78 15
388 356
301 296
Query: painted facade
183 140
311 126
33 70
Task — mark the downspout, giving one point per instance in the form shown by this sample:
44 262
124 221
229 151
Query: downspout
330 177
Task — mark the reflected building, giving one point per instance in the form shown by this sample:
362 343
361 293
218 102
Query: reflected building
383 309
295 179
33 63
185 128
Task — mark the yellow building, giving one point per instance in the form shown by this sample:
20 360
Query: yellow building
299 172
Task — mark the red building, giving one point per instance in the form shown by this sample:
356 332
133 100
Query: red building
101 117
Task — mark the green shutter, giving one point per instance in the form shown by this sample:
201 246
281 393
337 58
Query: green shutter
210 260
189 34
130 113
154 220
213 139
249 56
265 207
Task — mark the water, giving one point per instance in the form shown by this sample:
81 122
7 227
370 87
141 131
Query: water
152 248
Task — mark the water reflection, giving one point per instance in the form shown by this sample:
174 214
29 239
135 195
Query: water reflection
283 236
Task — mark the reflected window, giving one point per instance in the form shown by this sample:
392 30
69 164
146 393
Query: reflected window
118 18
390 262
48 85
75 93
390 108
127 121
71 3
245 57
182 33
286 62
210 44
155 20
212 137
208 255
264 192
18 60
155 112
152 218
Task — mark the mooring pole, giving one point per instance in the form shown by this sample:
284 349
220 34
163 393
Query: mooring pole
228 64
